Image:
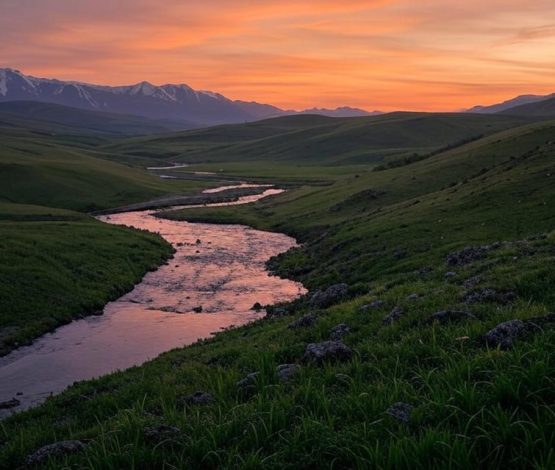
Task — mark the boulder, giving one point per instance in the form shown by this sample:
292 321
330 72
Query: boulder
489 295
327 351
400 411
338 331
55 450
197 309
393 316
198 398
446 316
249 381
504 334
9 404
162 432
470 254
374 305
288 372
330 296
303 322
413 297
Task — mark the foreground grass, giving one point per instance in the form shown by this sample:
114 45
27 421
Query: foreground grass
473 406
60 265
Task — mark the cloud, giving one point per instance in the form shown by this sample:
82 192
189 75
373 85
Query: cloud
388 54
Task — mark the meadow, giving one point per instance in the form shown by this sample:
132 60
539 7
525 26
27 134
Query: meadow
417 383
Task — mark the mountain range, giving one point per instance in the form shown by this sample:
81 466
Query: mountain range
192 108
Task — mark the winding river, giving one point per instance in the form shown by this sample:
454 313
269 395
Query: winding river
215 277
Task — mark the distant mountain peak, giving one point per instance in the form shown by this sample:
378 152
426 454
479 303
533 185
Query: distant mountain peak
508 104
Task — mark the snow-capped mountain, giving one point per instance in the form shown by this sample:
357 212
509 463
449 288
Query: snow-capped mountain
176 102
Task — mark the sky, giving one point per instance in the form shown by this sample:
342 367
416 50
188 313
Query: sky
430 55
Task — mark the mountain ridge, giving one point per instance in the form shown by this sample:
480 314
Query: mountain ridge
168 101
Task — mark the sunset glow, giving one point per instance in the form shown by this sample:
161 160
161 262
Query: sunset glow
375 54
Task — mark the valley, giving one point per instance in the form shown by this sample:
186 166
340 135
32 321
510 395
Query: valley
431 230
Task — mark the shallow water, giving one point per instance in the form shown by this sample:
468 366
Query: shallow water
220 268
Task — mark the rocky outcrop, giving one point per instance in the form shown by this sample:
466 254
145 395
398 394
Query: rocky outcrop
327 351
332 295
55 450
288 372
303 322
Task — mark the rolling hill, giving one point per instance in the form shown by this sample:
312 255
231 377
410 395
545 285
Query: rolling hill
317 140
58 119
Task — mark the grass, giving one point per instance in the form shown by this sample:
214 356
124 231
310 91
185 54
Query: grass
318 140
59 265
387 233
473 406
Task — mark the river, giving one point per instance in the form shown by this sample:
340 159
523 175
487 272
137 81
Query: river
215 277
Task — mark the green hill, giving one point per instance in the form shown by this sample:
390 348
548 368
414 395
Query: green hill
317 140
37 169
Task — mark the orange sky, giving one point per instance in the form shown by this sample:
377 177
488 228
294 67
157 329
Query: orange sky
375 54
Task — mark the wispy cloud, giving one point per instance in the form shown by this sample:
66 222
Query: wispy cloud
386 54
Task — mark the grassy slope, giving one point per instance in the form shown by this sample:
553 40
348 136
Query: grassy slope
58 265
317 140
36 170
473 406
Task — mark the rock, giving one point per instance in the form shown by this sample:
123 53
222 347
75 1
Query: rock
472 282
393 316
504 334
445 316
400 411
413 297
303 322
198 242
249 381
539 323
330 296
450 274
327 351
425 271
197 309
257 307
167 309
198 398
489 295
288 372
276 312
374 305
55 450
468 255
162 432
338 331
9 404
